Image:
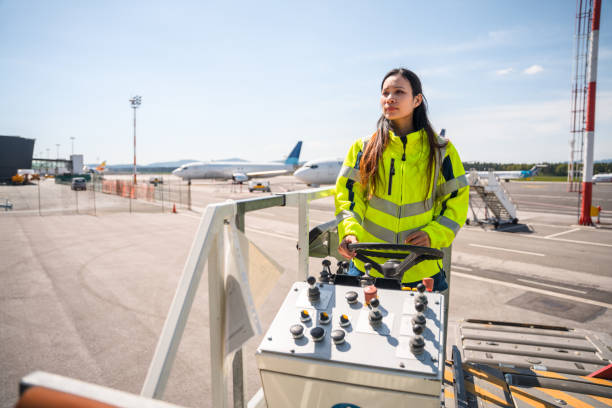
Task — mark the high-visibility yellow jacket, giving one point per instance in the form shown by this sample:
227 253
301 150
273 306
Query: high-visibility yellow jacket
399 205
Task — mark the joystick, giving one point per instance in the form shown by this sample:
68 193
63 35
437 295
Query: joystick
325 274
344 320
366 279
417 343
313 291
421 297
375 316
419 318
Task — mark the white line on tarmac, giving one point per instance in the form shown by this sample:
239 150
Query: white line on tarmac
561 233
531 289
573 241
507 250
461 268
551 286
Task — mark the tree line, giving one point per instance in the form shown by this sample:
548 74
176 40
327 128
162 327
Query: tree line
551 169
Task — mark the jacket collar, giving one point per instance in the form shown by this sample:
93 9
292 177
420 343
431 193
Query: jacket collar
414 142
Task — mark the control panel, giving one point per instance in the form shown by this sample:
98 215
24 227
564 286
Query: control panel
360 325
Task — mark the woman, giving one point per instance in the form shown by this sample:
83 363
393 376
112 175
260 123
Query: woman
402 185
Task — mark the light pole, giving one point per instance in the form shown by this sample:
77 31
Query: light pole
72 141
135 101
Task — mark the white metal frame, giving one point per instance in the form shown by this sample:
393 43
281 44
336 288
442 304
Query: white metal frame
208 246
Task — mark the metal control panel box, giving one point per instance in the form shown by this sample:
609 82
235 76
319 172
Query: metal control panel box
339 344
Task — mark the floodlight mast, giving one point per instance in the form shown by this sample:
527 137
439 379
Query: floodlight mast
135 101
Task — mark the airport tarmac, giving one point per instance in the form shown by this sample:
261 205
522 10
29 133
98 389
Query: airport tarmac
86 296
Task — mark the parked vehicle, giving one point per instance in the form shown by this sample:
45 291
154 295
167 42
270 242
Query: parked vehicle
78 183
156 180
260 185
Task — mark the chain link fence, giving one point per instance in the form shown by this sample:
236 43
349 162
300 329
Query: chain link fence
100 196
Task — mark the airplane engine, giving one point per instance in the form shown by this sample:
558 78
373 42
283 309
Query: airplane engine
239 178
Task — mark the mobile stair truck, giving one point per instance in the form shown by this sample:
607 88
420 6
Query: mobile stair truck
490 203
340 341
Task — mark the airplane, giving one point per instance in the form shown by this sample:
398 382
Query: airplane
602 178
101 168
508 175
239 171
320 171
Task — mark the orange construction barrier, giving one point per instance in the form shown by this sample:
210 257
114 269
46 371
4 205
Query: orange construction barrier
174 208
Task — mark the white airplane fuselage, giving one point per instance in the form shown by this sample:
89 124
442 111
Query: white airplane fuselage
321 171
228 170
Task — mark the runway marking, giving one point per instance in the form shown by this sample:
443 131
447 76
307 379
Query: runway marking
531 289
507 250
561 233
461 268
552 286
573 241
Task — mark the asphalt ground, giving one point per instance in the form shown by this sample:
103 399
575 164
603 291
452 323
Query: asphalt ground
86 296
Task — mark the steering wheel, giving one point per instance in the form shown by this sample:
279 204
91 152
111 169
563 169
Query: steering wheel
398 263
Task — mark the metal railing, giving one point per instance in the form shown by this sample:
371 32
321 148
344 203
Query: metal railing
208 246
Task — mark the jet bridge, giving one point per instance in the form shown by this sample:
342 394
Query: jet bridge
490 203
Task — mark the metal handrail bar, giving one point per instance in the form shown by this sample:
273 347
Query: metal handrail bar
208 246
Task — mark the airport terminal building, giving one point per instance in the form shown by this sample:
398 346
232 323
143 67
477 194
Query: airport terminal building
15 153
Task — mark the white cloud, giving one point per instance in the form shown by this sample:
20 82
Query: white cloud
504 71
523 132
534 69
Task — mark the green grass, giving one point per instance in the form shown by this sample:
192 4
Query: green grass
544 178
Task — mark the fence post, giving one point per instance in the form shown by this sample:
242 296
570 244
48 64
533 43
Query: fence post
239 385
303 228
189 198
39 212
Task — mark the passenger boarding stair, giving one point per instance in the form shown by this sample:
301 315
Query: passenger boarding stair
488 196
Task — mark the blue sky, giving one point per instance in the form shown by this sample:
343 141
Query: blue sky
249 79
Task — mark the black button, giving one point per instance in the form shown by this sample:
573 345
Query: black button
419 307
311 280
317 333
304 315
351 296
344 320
374 302
421 287
418 329
297 331
338 336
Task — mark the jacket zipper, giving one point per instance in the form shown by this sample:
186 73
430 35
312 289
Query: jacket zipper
404 141
391 174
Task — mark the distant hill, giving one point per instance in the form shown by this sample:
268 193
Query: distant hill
604 161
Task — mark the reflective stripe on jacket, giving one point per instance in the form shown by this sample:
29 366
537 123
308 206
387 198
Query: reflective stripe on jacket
398 206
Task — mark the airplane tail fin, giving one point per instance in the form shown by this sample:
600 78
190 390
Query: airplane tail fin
294 156
102 166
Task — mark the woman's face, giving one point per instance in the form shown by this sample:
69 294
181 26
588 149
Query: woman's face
396 99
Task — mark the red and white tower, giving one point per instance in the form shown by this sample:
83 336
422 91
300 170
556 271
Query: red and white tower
587 174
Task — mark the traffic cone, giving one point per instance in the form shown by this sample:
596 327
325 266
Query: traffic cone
174 208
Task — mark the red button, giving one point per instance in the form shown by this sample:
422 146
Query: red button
370 292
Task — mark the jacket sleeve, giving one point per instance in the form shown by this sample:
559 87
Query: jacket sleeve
350 201
452 200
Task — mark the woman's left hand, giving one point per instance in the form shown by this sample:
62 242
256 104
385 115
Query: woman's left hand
420 238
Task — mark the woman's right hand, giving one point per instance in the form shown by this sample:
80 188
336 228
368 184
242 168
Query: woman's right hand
343 249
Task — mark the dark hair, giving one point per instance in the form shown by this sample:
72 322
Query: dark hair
368 166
